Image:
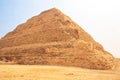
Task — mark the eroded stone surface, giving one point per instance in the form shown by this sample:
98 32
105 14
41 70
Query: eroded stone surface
52 38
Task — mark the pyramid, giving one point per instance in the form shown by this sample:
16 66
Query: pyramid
52 38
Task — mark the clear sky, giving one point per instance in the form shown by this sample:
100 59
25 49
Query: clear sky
100 18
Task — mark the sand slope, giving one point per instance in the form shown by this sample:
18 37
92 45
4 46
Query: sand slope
38 72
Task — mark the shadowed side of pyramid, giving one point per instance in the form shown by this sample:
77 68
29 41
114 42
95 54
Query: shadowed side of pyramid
52 38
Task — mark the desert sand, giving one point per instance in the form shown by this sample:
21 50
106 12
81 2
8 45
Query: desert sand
40 72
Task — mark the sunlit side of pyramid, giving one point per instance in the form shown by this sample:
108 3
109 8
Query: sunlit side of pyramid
52 38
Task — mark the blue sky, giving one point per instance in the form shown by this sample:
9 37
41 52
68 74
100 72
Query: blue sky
100 18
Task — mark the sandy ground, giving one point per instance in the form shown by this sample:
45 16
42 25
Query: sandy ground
38 72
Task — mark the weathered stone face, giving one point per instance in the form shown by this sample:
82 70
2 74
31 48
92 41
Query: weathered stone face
52 38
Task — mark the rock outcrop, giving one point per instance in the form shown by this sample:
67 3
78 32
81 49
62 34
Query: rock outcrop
52 38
